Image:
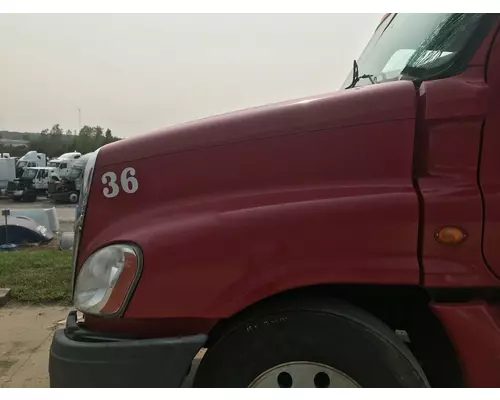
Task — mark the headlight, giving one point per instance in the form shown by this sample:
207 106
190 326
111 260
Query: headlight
106 279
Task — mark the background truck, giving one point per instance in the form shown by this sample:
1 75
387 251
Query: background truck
68 189
34 181
63 163
342 240
30 159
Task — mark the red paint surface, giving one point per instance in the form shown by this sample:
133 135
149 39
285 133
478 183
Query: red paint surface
254 203
490 164
474 330
452 113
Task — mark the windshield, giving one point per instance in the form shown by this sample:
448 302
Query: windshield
21 164
54 163
29 173
73 174
414 46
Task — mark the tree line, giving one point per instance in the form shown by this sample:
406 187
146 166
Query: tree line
54 142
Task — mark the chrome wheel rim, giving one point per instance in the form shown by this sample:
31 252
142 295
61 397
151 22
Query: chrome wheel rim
303 374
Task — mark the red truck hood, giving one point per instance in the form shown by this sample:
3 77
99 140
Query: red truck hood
247 220
364 105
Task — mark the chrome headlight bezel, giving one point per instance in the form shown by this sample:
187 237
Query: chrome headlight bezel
87 177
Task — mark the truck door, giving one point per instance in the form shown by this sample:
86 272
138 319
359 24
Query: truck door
38 181
44 178
63 169
489 170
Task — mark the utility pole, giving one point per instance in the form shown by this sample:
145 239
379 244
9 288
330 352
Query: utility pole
79 120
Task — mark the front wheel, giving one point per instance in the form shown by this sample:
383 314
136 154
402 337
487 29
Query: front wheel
317 345
303 374
73 198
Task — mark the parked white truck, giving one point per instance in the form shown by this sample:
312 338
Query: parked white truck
30 159
63 163
68 188
34 181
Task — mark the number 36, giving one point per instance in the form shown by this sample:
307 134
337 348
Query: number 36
128 183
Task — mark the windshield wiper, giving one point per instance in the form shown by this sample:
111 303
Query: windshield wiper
356 78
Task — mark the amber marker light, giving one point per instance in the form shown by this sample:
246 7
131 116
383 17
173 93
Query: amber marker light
450 235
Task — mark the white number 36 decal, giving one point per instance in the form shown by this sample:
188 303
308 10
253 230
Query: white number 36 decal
128 183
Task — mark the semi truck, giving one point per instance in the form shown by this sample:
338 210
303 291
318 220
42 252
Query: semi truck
63 163
33 182
31 159
67 190
348 239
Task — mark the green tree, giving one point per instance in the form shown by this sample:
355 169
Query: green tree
56 130
99 136
54 143
86 131
108 137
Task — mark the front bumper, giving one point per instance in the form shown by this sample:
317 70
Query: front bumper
59 196
80 358
14 194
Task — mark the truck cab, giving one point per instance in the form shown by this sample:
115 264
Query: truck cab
63 163
33 181
68 189
30 159
347 239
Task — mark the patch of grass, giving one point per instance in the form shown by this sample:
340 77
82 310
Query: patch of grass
37 276
6 364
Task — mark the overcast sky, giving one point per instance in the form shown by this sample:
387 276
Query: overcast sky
135 73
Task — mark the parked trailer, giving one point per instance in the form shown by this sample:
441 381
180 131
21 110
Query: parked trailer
342 240
7 171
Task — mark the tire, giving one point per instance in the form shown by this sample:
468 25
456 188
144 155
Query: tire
73 198
28 198
324 332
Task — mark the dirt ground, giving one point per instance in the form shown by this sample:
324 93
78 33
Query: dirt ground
26 331
25 337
